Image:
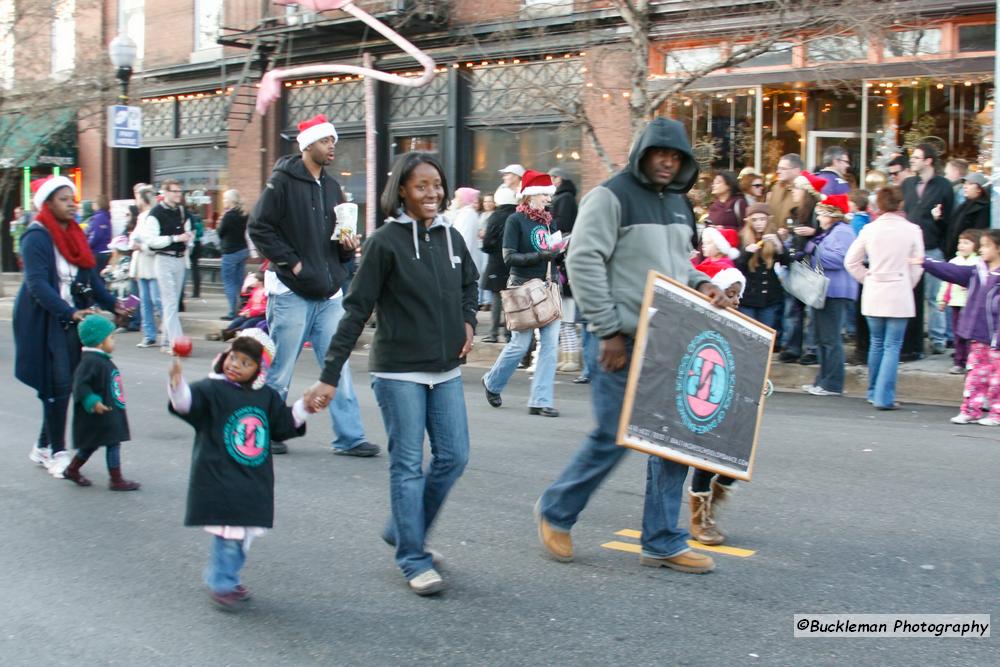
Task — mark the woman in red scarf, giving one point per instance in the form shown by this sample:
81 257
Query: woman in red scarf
61 286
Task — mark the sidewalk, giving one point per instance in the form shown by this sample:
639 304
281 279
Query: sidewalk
924 381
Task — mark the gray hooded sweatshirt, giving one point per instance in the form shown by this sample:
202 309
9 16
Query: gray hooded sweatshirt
626 228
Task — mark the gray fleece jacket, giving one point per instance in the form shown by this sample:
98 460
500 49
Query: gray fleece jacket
625 228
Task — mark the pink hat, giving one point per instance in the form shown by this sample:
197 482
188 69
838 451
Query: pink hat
466 196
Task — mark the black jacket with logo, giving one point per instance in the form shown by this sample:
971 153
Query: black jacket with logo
293 221
425 287
97 379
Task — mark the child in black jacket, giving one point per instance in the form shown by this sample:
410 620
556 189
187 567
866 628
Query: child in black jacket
99 417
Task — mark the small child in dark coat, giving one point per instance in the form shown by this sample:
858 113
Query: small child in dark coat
99 417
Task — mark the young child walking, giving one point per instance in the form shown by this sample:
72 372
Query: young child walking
978 323
951 298
235 416
99 417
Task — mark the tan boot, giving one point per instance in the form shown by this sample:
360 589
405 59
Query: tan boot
688 561
702 526
557 543
572 364
721 494
562 362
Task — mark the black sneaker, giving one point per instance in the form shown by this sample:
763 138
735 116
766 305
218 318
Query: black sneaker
489 339
788 357
808 360
278 447
492 398
364 450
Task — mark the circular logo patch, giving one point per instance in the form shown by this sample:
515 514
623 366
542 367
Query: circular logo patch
705 382
540 238
117 389
247 436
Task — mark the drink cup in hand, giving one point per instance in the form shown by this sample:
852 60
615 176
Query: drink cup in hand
347 221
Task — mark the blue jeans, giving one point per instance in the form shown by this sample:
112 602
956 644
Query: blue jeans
766 315
883 358
828 323
232 272
937 328
149 306
797 336
223 572
543 384
590 349
662 535
410 409
292 321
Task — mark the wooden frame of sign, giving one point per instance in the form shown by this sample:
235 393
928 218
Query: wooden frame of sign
697 382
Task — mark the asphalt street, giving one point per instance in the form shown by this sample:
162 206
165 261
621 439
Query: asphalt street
850 511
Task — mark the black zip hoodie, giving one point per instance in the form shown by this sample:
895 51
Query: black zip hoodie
293 222
426 288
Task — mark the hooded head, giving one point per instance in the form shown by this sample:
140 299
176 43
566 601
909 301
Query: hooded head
664 133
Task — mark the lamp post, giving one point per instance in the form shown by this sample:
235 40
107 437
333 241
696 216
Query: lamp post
122 51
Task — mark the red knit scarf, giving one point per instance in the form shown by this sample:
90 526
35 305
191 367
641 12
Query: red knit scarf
69 240
539 215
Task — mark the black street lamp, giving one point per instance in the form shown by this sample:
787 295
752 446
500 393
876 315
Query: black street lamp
122 51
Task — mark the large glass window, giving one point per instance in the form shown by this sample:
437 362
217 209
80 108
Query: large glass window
779 55
348 168
424 143
132 21
912 43
207 21
63 36
837 48
692 60
721 126
976 37
539 148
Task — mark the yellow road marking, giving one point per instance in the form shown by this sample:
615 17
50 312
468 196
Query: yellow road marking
634 548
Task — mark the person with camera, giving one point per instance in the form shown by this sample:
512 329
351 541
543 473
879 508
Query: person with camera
61 287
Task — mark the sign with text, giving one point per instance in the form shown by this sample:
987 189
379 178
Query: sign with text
124 126
697 381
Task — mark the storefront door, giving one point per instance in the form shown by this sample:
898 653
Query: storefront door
820 140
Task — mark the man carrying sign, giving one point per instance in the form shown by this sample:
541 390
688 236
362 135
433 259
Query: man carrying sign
638 220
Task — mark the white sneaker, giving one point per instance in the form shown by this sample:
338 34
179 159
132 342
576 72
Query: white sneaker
146 342
962 418
819 391
60 461
427 583
808 388
988 421
41 455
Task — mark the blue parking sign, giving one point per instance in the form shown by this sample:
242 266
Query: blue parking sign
124 126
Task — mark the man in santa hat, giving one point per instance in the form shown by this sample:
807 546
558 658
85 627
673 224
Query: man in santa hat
292 226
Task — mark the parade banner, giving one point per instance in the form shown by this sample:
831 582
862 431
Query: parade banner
696 386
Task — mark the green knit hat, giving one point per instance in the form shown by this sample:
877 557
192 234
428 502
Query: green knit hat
94 329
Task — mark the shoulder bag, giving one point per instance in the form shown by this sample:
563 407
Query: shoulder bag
807 284
532 304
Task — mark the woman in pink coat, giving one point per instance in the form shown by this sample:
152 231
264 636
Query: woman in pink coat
888 243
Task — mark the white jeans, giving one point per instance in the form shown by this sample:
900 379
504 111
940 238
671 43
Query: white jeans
170 280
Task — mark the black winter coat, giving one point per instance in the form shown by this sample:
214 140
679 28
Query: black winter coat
972 214
293 222
497 272
564 207
918 208
232 231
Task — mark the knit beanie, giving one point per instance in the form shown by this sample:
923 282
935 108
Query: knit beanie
94 329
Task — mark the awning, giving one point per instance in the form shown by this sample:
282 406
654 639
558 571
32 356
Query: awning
48 137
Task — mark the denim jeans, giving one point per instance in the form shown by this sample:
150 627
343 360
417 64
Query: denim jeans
766 315
543 383
797 337
561 504
828 322
293 320
149 306
590 344
883 358
937 328
223 572
410 409
170 279
232 269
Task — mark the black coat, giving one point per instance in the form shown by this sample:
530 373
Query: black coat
293 221
972 214
232 231
762 285
496 273
564 206
918 208
97 379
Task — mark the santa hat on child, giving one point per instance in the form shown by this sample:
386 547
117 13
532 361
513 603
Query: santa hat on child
810 183
314 129
536 183
835 206
42 188
724 239
266 357
725 278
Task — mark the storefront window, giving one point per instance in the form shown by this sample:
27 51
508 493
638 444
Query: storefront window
539 147
976 38
692 60
779 55
721 126
835 49
912 43
203 172
425 143
348 168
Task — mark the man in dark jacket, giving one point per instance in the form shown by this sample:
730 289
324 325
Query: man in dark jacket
496 273
922 193
563 201
292 225
648 198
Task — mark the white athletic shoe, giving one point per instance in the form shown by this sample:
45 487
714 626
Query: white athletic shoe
988 421
41 455
962 418
427 583
819 391
60 461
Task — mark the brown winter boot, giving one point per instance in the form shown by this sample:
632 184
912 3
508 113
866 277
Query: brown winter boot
73 474
572 364
119 483
721 494
702 526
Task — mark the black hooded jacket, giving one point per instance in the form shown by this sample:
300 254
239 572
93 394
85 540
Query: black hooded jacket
564 206
293 222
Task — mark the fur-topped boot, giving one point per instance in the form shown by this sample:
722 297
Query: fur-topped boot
702 525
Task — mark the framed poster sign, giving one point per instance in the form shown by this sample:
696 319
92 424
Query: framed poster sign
696 386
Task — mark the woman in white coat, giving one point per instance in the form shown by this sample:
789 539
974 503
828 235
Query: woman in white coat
143 270
889 243
466 222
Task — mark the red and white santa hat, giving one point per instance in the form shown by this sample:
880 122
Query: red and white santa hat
536 183
314 129
835 206
42 188
810 183
725 240
726 278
